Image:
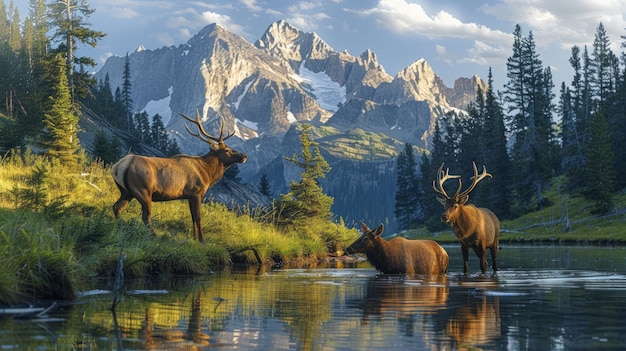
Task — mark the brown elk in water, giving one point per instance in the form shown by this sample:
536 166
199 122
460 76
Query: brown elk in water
400 255
475 227
149 179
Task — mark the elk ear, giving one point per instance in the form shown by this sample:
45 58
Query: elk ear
379 230
462 199
441 200
365 228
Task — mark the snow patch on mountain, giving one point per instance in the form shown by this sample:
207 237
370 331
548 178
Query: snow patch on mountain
328 94
162 107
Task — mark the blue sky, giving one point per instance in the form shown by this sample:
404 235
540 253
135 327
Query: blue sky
458 38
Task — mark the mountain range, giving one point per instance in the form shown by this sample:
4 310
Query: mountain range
262 91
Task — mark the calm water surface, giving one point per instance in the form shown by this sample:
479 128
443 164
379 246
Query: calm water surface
544 298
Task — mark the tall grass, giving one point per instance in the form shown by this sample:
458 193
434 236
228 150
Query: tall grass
57 229
34 261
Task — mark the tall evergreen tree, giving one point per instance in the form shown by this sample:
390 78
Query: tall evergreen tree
306 199
408 209
141 127
60 136
264 185
599 176
442 152
106 148
496 156
602 59
572 158
158 134
126 98
528 96
68 19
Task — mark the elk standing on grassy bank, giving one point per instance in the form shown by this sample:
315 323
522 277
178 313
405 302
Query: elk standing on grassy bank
149 179
475 227
400 255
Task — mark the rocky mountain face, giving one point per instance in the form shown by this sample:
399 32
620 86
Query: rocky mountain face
263 90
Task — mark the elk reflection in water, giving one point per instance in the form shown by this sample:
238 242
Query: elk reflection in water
159 338
449 321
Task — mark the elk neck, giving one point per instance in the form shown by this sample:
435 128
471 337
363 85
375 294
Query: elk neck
464 219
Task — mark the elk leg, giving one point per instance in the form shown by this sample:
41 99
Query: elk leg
494 253
146 208
465 252
481 252
194 208
121 203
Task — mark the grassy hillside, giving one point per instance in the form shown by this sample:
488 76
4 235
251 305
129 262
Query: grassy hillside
566 220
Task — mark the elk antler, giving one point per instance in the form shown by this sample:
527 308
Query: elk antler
441 178
206 136
475 179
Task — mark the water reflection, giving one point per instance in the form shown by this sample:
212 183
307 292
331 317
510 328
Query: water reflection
390 295
476 323
351 309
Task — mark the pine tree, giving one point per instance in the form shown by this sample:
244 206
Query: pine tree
429 164
141 127
306 199
172 147
106 148
528 96
126 99
599 173
60 136
572 158
602 60
264 185
408 209
69 22
496 156
158 134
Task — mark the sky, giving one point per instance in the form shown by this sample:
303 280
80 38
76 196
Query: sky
457 38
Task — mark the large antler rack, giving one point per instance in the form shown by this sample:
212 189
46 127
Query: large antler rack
202 134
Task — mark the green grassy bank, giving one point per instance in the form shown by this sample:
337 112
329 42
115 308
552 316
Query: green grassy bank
57 231
566 220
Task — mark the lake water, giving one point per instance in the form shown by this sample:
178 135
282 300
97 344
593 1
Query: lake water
544 298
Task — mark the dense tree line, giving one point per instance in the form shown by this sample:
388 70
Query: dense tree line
46 86
526 140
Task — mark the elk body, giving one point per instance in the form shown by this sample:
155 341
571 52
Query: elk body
400 255
150 179
475 227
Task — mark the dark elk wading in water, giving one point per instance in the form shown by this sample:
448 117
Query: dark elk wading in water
400 255
475 227
149 179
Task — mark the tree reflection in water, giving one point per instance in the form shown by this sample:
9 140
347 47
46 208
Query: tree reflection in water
353 309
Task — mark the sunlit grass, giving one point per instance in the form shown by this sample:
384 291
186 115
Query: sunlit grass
56 237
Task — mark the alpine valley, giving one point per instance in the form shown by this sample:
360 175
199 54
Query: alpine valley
362 115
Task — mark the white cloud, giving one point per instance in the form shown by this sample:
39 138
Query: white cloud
224 21
120 12
403 17
251 5
484 54
307 22
563 23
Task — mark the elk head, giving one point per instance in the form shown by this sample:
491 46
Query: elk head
226 155
460 198
365 240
